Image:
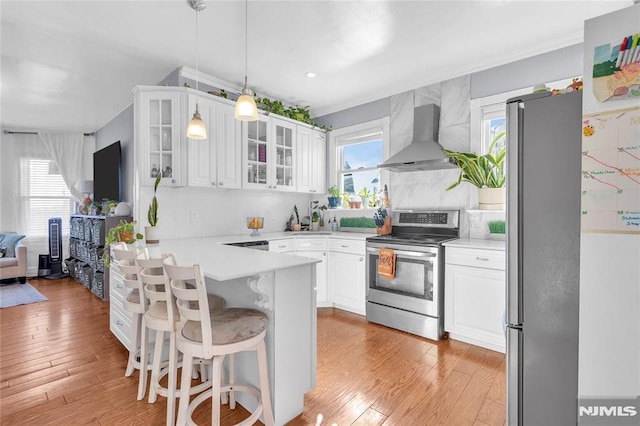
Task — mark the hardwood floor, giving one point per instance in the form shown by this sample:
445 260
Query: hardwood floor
60 365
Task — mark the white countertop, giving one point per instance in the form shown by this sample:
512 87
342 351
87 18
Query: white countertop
476 243
220 262
272 236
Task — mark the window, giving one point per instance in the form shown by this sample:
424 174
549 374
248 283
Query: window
488 116
43 195
357 152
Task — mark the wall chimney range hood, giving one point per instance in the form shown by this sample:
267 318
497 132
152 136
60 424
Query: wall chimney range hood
424 152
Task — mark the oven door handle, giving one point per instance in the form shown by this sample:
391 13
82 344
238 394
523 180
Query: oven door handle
405 253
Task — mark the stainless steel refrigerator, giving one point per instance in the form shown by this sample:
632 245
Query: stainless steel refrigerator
543 258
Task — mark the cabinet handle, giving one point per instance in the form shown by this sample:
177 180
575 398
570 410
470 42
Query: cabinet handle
221 184
344 245
118 286
213 183
282 246
361 259
485 259
118 323
173 181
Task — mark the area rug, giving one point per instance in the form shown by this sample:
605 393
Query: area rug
19 294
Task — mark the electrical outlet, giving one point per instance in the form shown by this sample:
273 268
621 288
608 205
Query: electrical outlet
194 216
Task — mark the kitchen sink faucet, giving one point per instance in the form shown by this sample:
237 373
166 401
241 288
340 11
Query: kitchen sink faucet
311 203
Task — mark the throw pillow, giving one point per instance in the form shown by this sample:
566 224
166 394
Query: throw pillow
3 250
9 241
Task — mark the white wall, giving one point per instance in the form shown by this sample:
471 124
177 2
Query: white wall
609 363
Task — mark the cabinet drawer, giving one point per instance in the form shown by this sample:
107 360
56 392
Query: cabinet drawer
117 287
344 245
281 246
120 327
491 259
314 244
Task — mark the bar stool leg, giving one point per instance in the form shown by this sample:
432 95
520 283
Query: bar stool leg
185 386
267 411
155 368
232 380
135 344
173 373
144 338
215 390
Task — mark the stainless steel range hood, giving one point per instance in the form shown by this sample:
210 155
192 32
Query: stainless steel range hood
424 152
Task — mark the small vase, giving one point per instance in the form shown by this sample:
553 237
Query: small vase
365 202
151 235
315 226
296 227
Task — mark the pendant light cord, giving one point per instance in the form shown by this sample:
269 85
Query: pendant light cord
246 38
197 51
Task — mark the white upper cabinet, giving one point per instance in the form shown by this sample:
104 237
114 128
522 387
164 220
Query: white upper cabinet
215 161
311 160
158 136
269 154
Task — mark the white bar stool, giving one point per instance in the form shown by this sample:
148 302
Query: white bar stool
162 317
213 335
135 303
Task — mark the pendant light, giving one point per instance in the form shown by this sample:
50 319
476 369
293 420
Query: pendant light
196 128
246 109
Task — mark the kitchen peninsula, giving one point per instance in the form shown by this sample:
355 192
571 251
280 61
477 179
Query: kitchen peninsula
283 287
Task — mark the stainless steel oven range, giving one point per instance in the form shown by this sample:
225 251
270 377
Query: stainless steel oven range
413 301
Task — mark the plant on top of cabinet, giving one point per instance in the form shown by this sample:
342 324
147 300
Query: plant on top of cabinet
296 112
486 172
123 232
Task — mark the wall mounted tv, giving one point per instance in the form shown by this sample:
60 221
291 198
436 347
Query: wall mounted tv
107 171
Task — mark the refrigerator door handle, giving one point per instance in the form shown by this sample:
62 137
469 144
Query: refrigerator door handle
515 112
514 376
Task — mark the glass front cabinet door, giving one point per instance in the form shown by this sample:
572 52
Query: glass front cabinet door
269 157
160 139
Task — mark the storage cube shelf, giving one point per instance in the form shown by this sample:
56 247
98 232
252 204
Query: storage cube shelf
86 251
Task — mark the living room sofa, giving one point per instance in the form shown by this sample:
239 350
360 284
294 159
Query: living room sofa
15 266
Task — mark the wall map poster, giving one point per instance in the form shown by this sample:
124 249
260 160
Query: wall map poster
611 172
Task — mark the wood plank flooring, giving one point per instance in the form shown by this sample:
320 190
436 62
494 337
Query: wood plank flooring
60 365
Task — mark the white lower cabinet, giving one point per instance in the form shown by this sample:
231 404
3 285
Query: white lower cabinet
316 248
346 275
475 296
119 319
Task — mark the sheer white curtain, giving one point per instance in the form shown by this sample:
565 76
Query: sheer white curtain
18 152
65 150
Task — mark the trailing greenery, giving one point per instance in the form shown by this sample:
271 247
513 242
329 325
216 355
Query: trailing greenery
123 232
152 214
497 226
296 112
357 222
483 171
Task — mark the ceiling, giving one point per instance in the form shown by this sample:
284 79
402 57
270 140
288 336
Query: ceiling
71 65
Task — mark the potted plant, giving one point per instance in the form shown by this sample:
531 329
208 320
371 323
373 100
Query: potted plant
315 220
151 232
123 232
486 172
365 194
296 226
334 197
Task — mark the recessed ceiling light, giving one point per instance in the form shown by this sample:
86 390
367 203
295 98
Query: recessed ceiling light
310 74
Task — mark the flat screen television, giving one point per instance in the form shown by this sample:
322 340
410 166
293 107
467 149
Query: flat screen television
107 172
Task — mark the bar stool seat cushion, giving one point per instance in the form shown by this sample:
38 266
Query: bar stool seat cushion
228 326
133 296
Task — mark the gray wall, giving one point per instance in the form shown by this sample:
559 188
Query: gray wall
551 66
121 129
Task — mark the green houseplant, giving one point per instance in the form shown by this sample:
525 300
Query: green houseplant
151 232
365 194
486 172
123 232
334 197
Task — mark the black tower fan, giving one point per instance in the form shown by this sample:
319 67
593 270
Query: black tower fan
55 249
